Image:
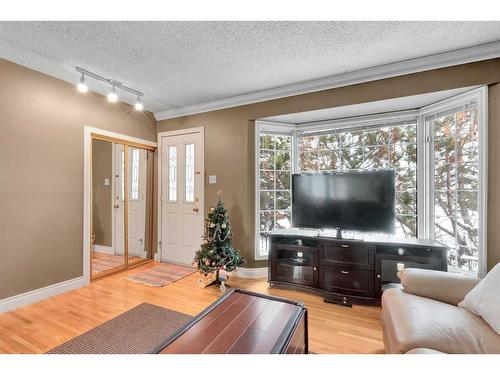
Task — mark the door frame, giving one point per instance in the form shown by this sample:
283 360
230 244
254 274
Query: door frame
161 135
88 134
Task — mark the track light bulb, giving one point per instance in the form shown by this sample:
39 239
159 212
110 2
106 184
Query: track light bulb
82 86
139 106
112 97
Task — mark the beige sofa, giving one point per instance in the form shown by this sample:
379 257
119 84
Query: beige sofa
423 317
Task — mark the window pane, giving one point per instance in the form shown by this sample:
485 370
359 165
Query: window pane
189 177
308 143
391 146
283 142
122 175
456 180
283 220
283 180
376 137
266 221
267 160
444 127
406 179
403 155
172 173
406 226
403 134
134 180
266 142
282 160
283 200
329 142
352 138
308 161
267 200
406 203
352 157
266 180
375 157
327 160
275 170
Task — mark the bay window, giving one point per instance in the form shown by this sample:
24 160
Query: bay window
438 154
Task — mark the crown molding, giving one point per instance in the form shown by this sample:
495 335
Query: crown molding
420 64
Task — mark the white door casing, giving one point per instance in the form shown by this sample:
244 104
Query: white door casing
181 194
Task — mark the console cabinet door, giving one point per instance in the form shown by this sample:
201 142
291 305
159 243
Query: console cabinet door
295 264
347 281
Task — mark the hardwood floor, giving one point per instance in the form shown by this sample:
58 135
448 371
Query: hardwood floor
39 327
102 262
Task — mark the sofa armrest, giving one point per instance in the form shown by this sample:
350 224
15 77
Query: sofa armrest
446 287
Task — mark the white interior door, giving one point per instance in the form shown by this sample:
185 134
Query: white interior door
137 201
182 192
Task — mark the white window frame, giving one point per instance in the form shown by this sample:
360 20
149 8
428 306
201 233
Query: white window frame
424 158
479 95
285 129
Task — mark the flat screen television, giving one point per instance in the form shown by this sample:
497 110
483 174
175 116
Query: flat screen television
353 200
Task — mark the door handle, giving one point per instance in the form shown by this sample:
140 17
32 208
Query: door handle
343 245
195 209
344 272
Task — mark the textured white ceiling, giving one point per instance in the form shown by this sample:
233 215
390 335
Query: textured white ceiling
177 64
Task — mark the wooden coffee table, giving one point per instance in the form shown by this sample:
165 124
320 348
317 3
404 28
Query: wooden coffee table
243 322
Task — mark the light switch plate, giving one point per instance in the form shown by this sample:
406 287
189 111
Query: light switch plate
212 179
106 182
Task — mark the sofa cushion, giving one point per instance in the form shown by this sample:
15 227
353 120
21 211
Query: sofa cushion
423 351
411 321
484 299
441 286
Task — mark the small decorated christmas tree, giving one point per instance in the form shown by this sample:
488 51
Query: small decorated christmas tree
217 252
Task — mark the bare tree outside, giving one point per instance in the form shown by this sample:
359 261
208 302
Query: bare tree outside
456 177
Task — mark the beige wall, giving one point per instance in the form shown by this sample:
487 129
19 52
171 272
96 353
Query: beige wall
102 168
41 173
229 152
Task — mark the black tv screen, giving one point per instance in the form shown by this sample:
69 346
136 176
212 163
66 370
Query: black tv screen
354 200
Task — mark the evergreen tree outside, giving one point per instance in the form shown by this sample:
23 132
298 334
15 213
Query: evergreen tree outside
217 252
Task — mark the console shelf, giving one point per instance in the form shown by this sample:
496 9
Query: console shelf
347 271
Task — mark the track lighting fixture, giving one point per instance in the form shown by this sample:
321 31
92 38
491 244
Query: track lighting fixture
112 95
139 106
82 86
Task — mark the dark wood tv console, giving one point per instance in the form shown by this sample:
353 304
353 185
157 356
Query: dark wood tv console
347 271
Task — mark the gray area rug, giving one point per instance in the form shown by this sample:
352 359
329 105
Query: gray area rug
137 331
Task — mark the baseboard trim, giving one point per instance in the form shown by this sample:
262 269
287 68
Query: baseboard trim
19 300
251 273
103 249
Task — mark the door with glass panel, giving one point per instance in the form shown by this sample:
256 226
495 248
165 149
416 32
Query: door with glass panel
139 211
122 199
181 196
455 207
